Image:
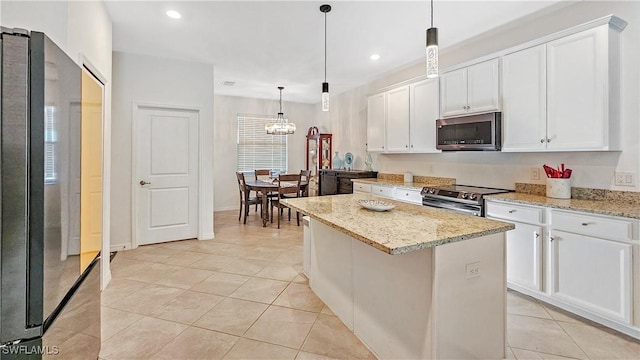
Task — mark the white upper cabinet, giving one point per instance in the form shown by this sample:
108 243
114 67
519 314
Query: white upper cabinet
424 113
453 90
563 95
524 100
577 72
406 118
376 112
397 120
474 89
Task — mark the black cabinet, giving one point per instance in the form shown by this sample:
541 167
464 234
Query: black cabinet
334 182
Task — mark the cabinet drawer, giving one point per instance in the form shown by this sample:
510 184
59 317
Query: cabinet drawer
412 196
360 187
345 186
383 191
526 214
596 226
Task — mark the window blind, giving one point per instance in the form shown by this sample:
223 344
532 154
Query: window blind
257 149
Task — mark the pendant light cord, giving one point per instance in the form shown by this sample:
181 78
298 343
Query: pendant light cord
431 15
325 47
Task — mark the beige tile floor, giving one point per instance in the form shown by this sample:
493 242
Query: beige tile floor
242 296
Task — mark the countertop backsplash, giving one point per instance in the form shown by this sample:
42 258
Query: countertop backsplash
418 179
584 193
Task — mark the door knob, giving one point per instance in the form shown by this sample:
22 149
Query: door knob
142 182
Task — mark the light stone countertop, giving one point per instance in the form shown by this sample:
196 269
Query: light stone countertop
602 207
403 229
399 183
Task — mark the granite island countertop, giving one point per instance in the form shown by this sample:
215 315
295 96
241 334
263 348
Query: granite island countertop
601 207
403 229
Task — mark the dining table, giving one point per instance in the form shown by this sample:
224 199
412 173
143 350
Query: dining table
264 187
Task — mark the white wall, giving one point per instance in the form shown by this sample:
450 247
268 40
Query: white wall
225 140
347 118
83 31
152 80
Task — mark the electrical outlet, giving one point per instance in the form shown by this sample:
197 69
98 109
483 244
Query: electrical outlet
472 270
535 173
625 178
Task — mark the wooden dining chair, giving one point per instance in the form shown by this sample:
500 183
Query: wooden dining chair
288 187
245 199
305 177
265 175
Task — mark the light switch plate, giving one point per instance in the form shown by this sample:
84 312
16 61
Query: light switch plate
624 178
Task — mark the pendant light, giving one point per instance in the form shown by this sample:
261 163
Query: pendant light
432 49
280 126
325 85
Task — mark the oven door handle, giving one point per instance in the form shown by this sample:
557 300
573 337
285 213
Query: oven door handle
477 211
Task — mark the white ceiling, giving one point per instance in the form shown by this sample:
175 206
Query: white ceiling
263 44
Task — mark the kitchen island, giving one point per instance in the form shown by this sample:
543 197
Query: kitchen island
412 282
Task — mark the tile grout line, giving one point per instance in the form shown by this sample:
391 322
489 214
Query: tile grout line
559 324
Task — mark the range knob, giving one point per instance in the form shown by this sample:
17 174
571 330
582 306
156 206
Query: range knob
431 190
464 195
473 196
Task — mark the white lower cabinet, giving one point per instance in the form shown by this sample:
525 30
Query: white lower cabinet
524 243
591 273
524 256
581 262
361 188
409 195
384 191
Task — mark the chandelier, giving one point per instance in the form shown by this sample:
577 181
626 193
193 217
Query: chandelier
280 126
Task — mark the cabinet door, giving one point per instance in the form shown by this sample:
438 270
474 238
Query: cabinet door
376 111
483 85
424 113
577 79
397 120
453 93
524 100
592 273
328 183
524 256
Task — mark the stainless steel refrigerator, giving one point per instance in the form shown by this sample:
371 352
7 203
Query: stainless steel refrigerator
49 302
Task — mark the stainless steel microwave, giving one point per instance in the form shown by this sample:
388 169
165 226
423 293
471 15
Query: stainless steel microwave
474 132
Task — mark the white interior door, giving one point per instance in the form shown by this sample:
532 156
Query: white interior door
166 181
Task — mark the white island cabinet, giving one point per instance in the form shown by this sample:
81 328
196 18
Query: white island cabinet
413 282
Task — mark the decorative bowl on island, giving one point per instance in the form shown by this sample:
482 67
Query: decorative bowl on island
376 205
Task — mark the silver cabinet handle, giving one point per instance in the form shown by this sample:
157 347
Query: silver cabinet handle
536 234
584 224
541 141
512 211
411 146
142 182
406 146
551 238
548 140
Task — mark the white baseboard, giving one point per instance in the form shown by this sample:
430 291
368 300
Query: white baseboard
106 279
208 236
120 247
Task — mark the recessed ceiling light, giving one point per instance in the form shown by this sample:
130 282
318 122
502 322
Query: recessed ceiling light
173 14
374 57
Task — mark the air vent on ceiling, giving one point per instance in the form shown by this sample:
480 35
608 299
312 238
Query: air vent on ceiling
228 83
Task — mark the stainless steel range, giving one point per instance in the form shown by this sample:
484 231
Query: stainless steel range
461 198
